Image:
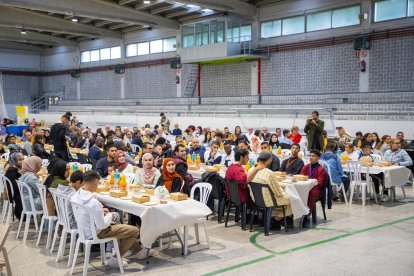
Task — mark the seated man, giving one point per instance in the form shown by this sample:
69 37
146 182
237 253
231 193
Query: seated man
292 165
243 144
228 157
396 156
181 166
366 151
146 148
166 148
197 149
350 152
103 163
28 144
315 171
275 165
95 151
102 220
265 176
284 141
236 172
334 162
212 156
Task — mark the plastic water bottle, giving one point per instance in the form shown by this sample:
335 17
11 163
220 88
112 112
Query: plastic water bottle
307 156
339 152
193 158
117 176
251 163
274 148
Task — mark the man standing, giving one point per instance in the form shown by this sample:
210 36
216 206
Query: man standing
292 165
103 163
313 129
165 123
197 149
58 136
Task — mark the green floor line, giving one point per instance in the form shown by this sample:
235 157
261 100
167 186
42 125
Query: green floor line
274 254
330 229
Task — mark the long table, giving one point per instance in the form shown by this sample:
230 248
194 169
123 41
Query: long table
394 176
161 218
198 173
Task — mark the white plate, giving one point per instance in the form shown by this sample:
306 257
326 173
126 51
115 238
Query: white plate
150 203
127 198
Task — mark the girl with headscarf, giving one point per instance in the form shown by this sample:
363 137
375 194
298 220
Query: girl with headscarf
170 178
148 175
274 141
255 145
31 166
121 164
58 174
13 174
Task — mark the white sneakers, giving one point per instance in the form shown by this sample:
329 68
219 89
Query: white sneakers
113 262
142 254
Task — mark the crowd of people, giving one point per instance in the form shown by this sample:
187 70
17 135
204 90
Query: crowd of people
159 155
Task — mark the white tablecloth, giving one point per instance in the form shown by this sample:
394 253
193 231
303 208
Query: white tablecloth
160 218
198 173
393 175
298 194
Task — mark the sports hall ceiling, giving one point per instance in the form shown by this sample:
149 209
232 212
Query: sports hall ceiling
47 23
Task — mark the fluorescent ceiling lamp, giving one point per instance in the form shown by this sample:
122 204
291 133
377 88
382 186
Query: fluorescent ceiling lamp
192 6
207 10
146 2
23 32
74 19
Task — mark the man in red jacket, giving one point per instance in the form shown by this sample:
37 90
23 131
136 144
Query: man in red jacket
315 171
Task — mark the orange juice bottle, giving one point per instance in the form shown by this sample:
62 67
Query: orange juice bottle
140 152
247 167
70 170
221 145
19 139
279 150
111 179
198 160
185 143
359 144
189 159
122 182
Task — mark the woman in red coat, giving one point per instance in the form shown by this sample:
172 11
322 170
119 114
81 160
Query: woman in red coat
295 136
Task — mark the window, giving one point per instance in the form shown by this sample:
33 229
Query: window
390 9
131 50
187 34
105 54
116 52
293 25
85 56
143 48
169 44
201 31
271 29
216 31
246 33
410 7
95 55
318 21
346 17
156 46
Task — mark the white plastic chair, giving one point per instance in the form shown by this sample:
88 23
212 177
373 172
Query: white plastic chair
78 211
377 158
286 153
8 207
5 156
356 179
45 162
130 178
29 214
86 167
339 186
46 216
60 216
64 204
205 190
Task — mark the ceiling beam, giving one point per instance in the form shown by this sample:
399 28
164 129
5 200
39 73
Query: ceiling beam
234 6
104 10
124 2
118 26
167 8
179 13
10 34
144 6
102 23
18 18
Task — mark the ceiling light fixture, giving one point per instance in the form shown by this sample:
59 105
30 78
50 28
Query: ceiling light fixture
74 19
146 2
23 32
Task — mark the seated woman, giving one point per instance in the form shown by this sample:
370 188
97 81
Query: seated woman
121 164
13 174
47 139
295 136
30 167
274 141
350 152
148 175
38 148
58 175
170 178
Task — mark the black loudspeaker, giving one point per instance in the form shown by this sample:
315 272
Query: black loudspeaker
75 73
119 69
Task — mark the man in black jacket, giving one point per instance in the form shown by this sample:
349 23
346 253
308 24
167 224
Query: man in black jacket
58 136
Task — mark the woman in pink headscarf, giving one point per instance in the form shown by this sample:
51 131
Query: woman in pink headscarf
147 175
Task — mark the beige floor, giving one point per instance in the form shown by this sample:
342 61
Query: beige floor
355 240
